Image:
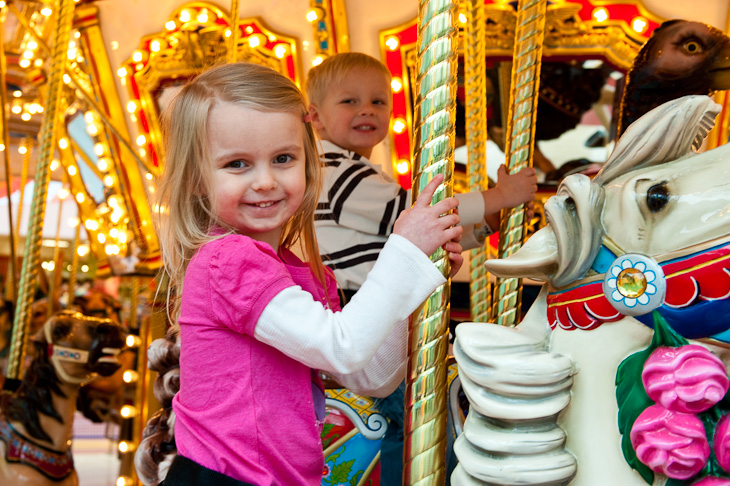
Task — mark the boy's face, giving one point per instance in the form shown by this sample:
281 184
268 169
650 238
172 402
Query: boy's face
355 113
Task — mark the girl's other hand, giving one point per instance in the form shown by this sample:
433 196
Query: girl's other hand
429 227
454 250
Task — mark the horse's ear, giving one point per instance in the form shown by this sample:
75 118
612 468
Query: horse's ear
61 326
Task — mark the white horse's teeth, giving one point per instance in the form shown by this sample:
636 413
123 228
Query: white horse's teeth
112 351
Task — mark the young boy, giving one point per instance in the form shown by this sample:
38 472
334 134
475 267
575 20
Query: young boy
350 106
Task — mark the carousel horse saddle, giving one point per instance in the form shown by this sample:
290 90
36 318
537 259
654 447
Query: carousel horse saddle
22 450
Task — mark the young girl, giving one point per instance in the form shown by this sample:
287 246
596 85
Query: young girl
256 323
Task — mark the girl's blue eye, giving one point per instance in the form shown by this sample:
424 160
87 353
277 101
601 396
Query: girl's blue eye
282 159
235 164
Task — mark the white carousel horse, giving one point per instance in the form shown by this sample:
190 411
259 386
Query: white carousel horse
36 421
568 396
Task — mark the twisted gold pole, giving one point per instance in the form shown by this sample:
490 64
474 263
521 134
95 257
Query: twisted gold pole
233 50
527 56
74 264
31 254
425 401
476 138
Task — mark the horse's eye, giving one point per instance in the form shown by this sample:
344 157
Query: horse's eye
657 197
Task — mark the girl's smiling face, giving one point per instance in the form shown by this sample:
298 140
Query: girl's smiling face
258 162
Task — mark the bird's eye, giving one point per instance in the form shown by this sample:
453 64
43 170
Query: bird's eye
692 47
657 197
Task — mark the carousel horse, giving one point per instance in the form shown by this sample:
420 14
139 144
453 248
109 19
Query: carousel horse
36 422
616 375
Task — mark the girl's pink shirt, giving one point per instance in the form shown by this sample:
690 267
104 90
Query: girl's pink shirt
244 409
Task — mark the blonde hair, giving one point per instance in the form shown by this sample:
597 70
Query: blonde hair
186 194
331 71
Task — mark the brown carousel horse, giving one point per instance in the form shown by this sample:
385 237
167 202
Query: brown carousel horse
36 421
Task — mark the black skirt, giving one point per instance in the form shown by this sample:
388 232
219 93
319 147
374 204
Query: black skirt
185 472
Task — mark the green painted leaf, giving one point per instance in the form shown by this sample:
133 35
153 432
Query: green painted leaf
341 472
630 394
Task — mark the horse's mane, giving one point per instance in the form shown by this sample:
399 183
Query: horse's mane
157 448
34 395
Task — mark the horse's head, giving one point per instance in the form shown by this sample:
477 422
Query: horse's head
656 198
80 347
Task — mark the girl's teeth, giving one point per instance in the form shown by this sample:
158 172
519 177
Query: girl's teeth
265 205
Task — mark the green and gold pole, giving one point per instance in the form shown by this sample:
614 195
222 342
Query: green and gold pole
31 254
475 83
520 142
425 401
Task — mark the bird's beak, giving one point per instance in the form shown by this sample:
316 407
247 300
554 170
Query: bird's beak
720 69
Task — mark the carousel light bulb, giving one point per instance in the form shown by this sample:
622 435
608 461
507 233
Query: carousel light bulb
124 446
399 125
115 216
91 129
80 198
66 79
82 250
2 4
124 481
73 222
108 249
170 25
280 51
130 376
101 238
32 45
108 181
28 54
462 18
24 63
312 15
142 152
639 24
25 117
16 109
63 193
2 147
248 30
227 33
77 34
392 43
128 411
17 93
132 106
51 266
22 149
122 72
38 62
402 166
113 202
317 61
46 11
133 341
155 46
185 16
122 237
148 176
103 164
141 140
89 117
137 56
91 224
113 233
99 149
600 14
254 41
202 17
54 165
84 268
71 170
63 143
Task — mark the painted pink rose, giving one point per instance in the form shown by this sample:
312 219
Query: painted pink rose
712 481
721 443
688 379
672 443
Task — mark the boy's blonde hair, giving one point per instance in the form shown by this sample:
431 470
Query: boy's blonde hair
186 193
321 78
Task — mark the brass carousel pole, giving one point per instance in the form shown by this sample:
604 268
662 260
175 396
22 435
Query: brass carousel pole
233 49
11 275
476 138
31 253
529 37
425 400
